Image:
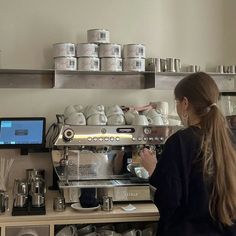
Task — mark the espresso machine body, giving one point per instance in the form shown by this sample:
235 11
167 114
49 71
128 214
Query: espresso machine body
97 157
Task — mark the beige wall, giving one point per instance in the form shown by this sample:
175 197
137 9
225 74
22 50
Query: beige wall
193 30
197 31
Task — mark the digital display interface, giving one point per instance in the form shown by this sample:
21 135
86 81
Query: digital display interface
125 130
22 131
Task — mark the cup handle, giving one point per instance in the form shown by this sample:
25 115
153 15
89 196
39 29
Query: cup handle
150 121
7 202
73 230
138 232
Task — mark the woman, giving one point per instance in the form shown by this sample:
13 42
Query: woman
196 174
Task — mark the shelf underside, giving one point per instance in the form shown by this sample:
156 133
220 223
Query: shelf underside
19 78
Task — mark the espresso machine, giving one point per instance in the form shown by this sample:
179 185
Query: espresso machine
97 157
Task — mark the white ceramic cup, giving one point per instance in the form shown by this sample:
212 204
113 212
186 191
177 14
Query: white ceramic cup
151 113
69 230
94 109
132 232
141 172
76 118
79 108
69 110
161 107
107 232
129 116
28 232
113 110
106 227
147 231
97 119
86 230
116 120
92 234
156 120
140 120
174 122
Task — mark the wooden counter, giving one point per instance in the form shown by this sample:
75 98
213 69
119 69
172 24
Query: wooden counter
144 212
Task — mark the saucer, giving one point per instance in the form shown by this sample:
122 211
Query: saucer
130 207
78 207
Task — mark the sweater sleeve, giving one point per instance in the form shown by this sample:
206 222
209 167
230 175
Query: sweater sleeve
167 179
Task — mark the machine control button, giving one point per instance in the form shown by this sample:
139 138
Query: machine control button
68 135
139 139
103 130
117 139
147 130
95 139
150 138
111 138
156 139
89 139
134 139
106 139
145 138
100 139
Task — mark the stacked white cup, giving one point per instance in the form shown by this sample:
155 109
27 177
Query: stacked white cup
129 116
115 115
73 115
95 115
154 117
162 107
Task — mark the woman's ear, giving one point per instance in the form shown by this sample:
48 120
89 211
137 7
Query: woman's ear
185 103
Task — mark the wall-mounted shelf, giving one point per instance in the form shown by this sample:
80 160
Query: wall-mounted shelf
104 80
21 78
168 80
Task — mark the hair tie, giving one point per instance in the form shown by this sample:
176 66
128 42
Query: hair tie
212 105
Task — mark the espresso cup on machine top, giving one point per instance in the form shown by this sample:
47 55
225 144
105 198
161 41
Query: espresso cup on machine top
161 107
129 116
116 120
97 119
113 110
93 109
76 118
140 120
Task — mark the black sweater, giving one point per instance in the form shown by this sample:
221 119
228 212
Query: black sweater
181 195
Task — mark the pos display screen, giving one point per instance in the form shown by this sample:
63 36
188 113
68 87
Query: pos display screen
22 132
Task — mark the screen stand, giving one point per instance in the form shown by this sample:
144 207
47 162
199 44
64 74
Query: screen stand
24 151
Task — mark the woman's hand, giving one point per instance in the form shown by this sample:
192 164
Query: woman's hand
148 160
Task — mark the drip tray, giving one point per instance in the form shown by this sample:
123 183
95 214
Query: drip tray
100 183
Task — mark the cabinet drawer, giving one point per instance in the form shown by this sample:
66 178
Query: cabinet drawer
42 230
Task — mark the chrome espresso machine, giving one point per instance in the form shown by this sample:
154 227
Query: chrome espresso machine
97 157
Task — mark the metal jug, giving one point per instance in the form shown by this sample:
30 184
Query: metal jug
38 186
3 202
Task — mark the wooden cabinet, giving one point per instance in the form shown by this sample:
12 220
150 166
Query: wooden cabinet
145 212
